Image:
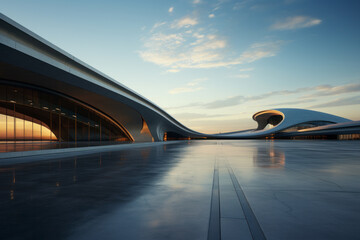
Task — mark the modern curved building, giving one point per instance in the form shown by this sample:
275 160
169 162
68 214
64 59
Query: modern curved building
47 94
293 123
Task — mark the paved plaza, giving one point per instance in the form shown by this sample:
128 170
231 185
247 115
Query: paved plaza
211 189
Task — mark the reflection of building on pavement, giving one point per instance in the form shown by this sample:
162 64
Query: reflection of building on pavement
268 156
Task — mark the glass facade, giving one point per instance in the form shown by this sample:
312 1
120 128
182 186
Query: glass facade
28 113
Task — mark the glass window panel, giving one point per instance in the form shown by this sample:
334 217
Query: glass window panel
2 127
10 94
64 129
35 99
68 108
44 101
55 125
71 130
10 129
36 132
28 98
94 126
82 131
28 130
2 93
105 133
19 125
18 94
2 108
45 133
51 102
82 114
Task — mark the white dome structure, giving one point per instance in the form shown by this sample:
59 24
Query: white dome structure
292 122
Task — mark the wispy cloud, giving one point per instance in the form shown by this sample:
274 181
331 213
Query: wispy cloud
185 22
258 51
328 90
346 101
231 101
243 73
246 69
211 15
192 86
316 92
196 1
173 70
239 99
157 25
195 116
290 1
189 105
295 22
171 9
241 76
289 103
183 45
185 90
241 4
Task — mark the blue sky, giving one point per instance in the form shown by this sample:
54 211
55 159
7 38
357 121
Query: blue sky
212 64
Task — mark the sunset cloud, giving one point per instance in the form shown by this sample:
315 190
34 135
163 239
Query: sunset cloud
196 50
181 44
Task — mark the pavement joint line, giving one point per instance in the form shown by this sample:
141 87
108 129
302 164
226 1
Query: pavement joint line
232 218
214 231
254 226
301 190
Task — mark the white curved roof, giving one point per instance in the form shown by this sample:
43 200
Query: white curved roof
290 117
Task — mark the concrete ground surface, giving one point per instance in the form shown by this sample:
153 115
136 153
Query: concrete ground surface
208 189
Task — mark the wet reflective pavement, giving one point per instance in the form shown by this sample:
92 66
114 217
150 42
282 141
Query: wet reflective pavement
247 189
